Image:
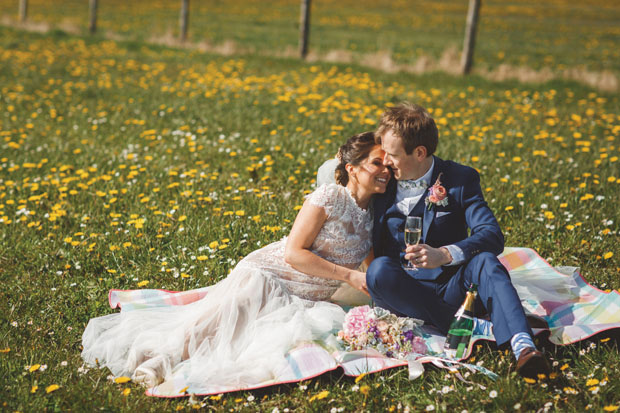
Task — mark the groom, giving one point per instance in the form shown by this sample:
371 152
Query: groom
460 240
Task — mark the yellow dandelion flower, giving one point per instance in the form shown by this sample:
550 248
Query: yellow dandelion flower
319 396
360 377
122 379
34 368
34 389
143 283
202 258
126 391
608 255
51 388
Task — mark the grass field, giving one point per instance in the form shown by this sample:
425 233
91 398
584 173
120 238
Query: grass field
128 166
558 35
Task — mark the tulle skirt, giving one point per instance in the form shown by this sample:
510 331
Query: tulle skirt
238 335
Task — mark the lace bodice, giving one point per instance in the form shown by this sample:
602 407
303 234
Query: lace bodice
344 239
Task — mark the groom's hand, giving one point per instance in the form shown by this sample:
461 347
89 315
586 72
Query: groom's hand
425 256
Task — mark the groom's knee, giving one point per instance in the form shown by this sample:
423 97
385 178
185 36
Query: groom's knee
380 274
486 269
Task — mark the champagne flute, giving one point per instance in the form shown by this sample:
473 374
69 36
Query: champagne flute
413 232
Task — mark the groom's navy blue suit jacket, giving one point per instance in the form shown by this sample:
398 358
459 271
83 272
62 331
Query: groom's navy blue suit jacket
467 221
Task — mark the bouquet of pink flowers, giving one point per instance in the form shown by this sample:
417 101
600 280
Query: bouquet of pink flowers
377 328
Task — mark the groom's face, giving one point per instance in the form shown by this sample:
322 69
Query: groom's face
404 166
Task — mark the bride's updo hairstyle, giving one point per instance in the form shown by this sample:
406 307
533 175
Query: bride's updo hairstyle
353 152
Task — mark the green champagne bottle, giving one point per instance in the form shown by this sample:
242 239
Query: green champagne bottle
461 328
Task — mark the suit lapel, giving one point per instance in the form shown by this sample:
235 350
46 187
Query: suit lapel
429 214
381 205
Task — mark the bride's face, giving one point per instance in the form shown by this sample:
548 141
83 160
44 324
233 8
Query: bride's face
371 174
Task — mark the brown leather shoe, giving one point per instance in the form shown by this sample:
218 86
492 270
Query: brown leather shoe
531 363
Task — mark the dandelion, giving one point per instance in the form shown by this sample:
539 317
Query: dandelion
51 388
319 396
122 379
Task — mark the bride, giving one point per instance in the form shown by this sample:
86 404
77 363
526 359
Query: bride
239 333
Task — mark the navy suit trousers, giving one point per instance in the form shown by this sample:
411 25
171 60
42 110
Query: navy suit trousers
392 288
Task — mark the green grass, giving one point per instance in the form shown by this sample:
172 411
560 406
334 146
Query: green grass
557 35
133 160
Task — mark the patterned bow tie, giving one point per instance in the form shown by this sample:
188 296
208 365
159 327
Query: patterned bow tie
408 185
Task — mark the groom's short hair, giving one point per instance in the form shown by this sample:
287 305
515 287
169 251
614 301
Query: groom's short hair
413 124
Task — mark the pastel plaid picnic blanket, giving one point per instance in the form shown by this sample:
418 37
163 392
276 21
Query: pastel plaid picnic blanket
573 309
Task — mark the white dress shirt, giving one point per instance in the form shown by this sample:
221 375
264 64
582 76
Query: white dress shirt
408 194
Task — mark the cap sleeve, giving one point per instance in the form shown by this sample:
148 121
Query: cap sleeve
327 197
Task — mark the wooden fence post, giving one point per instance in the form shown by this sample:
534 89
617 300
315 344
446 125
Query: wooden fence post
470 36
304 28
23 10
92 24
183 19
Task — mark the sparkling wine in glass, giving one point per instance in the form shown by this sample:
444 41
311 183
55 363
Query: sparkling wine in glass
413 232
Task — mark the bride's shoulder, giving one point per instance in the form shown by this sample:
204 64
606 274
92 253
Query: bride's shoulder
326 189
327 195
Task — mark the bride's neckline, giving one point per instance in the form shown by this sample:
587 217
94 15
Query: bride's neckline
364 210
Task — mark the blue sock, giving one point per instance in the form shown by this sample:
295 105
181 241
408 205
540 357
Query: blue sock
482 327
520 342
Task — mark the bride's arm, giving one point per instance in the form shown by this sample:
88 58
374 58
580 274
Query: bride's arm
306 227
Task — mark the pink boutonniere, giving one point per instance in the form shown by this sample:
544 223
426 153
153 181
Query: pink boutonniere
437 194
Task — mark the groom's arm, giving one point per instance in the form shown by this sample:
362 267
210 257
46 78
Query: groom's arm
485 233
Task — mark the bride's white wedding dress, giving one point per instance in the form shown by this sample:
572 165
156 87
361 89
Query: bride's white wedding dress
239 333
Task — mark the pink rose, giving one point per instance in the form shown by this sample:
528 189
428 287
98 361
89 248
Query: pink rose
356 321
418 345
433 199
439 192
382 326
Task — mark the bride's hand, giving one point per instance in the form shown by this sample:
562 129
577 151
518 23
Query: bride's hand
357 280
